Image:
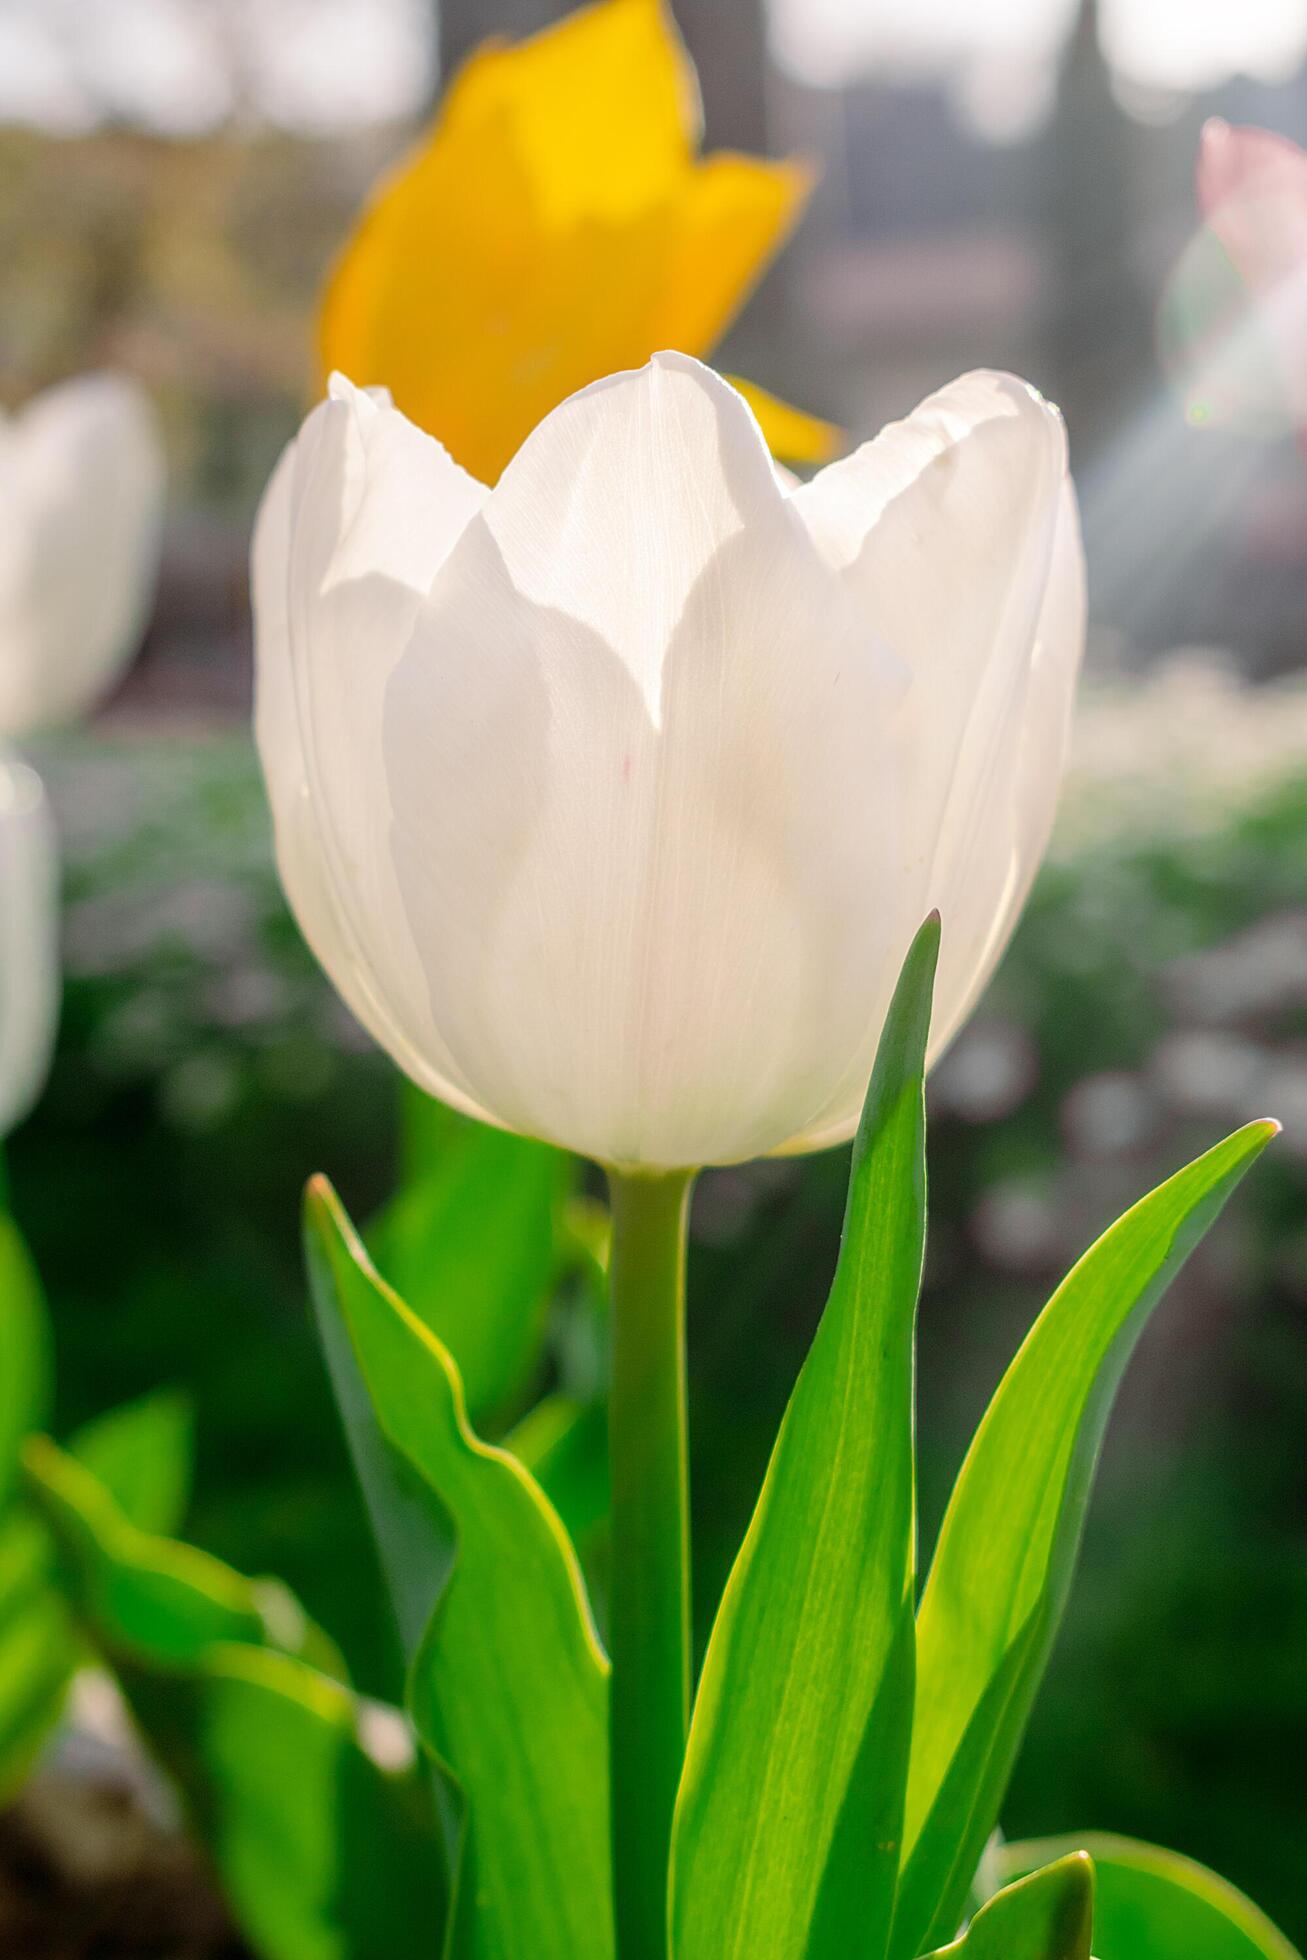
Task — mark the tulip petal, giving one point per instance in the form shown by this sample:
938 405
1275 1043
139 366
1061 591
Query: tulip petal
481 314
733 216
29 940
638 829
957 534
595 235
603 107
360 512
82 492
790 433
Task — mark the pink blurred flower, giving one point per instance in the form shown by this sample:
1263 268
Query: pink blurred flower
1252 193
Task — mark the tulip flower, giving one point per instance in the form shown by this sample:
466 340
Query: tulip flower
610 798
81 480
29 940
557 224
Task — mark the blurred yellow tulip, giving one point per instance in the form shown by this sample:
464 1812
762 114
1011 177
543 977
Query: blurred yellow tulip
555 225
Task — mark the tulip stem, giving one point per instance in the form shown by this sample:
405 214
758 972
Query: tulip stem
649 1590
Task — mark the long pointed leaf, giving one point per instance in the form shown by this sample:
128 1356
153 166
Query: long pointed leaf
787 1826
509 1688
1156 1905
471 1244
1006 1551
1048 1915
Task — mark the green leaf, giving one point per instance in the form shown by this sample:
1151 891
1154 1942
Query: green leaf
1007 1548
1048 1916
787 1829
564 1444
24 1352
143 1454
508 1686
1156 1905
156 1598
37 1647
471 1244
36 1638
324 1852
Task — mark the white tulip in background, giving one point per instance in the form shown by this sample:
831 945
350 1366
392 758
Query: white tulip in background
29 940
81 500
611 798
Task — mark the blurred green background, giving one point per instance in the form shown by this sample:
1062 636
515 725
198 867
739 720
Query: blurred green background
1018 199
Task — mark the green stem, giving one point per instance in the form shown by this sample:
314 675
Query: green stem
649 1591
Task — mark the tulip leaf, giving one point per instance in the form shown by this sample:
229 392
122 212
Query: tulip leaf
508 1686
788 1822
1007 1547
1046 1916
1156 1905
36 1640
24 1352
142 1452
563 1442
324 1851
470 1244
37 1647
138 1593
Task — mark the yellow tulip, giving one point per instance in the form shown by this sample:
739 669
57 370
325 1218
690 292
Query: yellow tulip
557 224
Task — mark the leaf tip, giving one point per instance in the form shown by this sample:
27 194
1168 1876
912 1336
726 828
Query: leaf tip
323 1210
924 950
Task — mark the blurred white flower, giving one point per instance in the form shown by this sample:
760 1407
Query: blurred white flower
29 940
81 497
610 798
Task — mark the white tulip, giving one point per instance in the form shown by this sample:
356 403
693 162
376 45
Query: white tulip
81 498
29 940
611 798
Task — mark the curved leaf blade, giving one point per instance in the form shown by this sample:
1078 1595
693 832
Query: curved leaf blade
1157 1905
564 1444
1007 1547
37 1646
471 1245
508 1687
152 1598
1048 1915
143 1453
24 1351
324 1852
36 1638
787 1829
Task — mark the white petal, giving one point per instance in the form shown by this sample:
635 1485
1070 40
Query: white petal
614 507
945 528
360 513
643 806
29 940
1005 854
81 498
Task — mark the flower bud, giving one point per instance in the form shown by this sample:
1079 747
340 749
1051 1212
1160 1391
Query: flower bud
81 480
610 798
